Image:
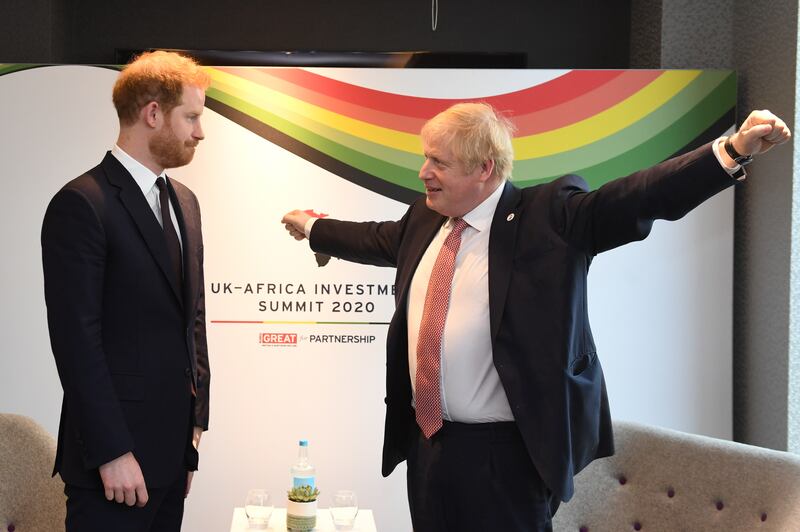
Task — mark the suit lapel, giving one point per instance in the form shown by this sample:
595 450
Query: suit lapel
135 203
501 253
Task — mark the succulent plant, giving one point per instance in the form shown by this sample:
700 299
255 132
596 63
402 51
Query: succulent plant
303 494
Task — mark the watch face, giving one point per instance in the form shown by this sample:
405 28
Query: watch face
744 160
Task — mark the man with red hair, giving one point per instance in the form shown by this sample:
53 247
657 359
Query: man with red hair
122 254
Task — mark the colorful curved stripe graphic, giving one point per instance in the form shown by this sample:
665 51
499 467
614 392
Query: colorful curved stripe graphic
601 124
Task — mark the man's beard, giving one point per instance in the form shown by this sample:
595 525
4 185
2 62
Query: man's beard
168 151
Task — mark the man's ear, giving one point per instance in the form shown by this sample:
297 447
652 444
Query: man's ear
150 114
487 169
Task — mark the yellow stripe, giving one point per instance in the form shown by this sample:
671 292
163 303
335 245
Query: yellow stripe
284 106
608 122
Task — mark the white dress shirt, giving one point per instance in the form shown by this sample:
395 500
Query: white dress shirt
146 180
471 388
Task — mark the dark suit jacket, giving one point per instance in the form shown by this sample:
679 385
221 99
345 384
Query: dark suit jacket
128 349
542 344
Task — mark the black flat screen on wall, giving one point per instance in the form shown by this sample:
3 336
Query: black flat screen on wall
420 59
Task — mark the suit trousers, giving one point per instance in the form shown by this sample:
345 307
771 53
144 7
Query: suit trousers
88 510
476 477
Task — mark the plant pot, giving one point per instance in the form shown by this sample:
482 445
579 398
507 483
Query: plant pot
301 515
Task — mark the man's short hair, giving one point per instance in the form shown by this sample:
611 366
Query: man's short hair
155 77
474 132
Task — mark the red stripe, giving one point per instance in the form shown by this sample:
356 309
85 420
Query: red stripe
557 91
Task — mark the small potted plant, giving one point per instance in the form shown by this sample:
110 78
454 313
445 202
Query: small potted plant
301 508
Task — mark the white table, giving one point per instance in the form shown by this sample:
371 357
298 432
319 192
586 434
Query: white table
364 521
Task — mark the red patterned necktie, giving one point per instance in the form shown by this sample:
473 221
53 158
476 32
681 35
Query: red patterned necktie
428 398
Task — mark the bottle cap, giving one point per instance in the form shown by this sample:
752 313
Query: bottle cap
303 443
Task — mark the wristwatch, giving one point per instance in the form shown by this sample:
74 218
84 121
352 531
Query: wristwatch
738 158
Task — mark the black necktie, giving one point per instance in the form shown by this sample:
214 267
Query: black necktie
173 244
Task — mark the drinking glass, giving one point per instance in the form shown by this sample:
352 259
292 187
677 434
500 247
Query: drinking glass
258 508
344 508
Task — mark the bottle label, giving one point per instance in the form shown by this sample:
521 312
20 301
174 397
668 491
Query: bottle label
303 481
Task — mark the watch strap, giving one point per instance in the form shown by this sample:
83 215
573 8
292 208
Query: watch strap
735 155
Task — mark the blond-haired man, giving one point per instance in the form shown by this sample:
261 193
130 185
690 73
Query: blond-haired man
122 255
495 395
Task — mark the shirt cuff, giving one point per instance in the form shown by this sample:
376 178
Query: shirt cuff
307 227
738 172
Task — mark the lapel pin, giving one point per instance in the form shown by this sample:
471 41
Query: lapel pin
510 217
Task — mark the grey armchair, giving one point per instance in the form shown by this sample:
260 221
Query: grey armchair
666 481
30 499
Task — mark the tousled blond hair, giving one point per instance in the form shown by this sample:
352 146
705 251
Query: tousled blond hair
475 133
155 77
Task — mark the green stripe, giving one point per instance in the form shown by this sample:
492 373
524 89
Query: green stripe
371 165
627 139
404 159
8 68
658 148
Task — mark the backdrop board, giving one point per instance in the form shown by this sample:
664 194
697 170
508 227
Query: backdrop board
296 339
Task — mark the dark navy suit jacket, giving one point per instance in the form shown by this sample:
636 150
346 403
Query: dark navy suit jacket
539 259
128 343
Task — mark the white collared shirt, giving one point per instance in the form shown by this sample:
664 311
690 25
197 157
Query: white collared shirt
146 180
470 386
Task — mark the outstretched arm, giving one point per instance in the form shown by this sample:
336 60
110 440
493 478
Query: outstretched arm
624 210
374 243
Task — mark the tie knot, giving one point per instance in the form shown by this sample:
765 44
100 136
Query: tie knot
459 224
161 184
